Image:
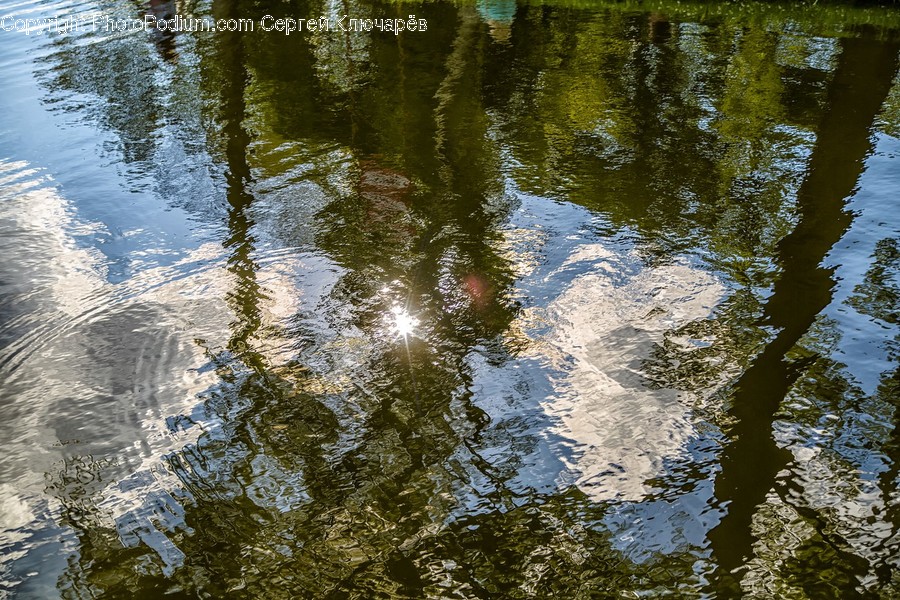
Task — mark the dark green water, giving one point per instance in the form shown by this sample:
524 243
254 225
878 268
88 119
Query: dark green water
547 301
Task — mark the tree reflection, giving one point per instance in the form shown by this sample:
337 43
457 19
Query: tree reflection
350 454
752 460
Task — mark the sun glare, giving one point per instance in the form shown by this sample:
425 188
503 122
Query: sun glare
404 323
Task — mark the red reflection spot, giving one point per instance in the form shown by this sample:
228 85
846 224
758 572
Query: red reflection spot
478 288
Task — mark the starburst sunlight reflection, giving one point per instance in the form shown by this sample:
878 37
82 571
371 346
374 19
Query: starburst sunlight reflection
403 324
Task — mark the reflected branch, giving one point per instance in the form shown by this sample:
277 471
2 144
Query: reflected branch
752 460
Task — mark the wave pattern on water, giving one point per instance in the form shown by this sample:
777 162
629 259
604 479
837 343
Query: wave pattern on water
544 301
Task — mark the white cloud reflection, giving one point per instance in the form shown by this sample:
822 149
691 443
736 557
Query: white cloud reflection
591 342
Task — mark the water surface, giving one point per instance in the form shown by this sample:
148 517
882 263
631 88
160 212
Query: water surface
549 300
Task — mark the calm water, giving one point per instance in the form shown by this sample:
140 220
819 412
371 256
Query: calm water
545 301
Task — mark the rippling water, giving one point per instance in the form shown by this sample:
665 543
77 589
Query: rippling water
551 299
